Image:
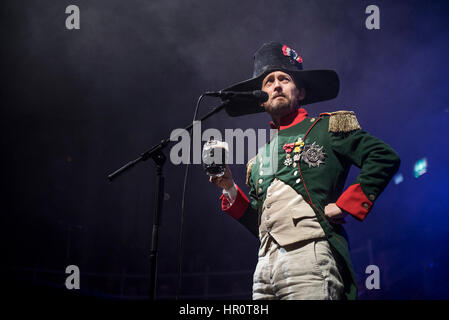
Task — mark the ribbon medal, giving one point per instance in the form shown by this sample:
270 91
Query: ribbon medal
293 152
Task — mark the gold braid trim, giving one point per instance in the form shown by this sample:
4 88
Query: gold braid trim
249 166
343 121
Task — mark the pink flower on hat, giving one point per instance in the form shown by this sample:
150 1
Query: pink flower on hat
289 52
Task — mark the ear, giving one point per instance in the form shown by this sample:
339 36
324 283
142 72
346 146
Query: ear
262 104
301 94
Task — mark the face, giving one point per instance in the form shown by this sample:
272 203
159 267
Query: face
283 95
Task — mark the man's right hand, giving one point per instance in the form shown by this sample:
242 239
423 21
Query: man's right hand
225 181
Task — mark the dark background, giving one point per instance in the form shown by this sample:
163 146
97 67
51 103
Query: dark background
78 104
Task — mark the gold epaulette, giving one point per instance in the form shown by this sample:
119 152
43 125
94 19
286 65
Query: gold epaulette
342 121
249 166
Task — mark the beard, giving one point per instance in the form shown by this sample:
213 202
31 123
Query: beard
280 106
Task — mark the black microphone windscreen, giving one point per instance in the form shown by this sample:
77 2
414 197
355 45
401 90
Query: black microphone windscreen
261 95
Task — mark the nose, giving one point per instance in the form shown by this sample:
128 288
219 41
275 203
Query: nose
277 85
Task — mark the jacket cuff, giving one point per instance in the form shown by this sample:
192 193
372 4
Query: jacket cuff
237 208
355 202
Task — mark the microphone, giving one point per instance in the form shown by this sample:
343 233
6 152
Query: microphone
258 96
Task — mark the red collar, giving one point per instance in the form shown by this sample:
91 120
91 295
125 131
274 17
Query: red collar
291 119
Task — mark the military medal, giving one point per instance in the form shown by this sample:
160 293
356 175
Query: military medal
288 147
296 148
313 155
288 162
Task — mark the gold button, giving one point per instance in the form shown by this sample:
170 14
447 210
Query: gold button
260 190
260 180
372 197
312 120
365 205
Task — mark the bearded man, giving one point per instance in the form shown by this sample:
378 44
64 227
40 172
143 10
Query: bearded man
296 203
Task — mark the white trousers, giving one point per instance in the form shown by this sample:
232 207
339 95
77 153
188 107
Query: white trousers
302 271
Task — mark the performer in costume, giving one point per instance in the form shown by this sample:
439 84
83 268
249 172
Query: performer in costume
296 203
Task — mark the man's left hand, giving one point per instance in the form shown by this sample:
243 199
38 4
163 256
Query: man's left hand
335 214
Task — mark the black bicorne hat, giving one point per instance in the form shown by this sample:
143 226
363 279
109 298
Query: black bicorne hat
320 85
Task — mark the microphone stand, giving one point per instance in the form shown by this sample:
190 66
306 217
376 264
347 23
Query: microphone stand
156 153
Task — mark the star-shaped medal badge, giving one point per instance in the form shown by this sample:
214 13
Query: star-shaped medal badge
313 155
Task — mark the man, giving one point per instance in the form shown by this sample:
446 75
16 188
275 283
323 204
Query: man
297 204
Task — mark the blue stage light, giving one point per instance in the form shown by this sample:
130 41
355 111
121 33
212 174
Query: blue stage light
420 167
398 178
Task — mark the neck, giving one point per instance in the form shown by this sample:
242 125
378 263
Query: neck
285 119
282 122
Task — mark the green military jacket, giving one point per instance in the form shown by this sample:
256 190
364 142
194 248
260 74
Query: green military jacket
321 151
